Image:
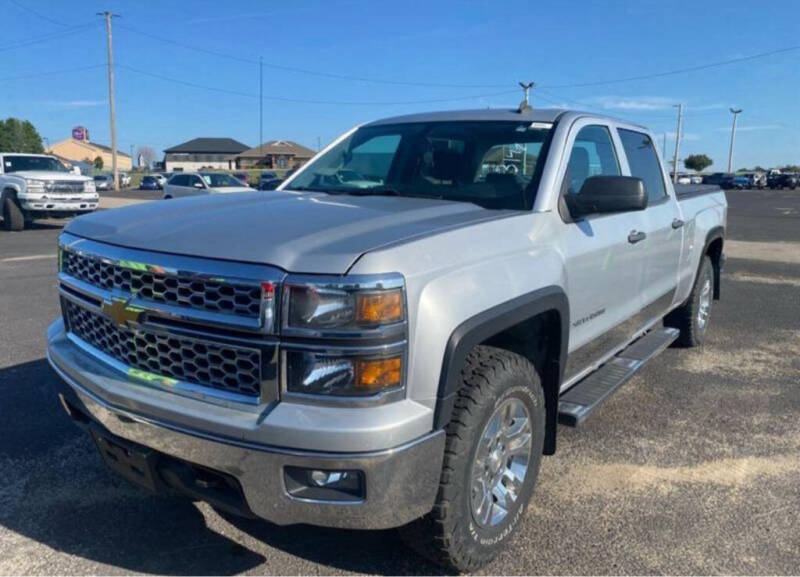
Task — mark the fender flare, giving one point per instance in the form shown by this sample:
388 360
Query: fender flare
9 189
716 233
490 322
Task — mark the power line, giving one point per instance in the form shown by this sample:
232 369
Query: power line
310 101
51 72
47 37
677 70
347 77
44 17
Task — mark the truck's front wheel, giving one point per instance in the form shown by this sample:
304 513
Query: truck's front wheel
492 455
13 219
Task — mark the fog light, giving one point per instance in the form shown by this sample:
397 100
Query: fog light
324 484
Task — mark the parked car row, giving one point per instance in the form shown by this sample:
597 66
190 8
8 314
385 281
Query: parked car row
789 180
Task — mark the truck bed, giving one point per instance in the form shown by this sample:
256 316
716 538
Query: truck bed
684 191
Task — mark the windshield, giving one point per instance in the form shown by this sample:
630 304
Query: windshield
219 180
21 163
492 164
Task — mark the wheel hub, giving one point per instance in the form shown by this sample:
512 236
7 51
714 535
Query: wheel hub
501 462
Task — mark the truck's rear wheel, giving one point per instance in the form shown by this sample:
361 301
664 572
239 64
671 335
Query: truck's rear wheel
492 455
13 219
693 316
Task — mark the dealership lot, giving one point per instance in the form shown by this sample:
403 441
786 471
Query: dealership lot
694 467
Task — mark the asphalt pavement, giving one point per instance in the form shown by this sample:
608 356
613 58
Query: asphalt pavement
693 467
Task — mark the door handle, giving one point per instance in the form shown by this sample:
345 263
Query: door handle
677 223
636 236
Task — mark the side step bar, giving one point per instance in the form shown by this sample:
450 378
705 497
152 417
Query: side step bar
577 403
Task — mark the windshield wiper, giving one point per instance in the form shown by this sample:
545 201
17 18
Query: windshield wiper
372 192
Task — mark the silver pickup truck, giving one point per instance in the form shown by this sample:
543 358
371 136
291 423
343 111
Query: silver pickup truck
392 338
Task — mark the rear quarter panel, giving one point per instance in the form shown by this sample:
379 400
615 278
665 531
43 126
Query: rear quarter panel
702 214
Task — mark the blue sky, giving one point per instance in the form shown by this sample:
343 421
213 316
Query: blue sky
477 49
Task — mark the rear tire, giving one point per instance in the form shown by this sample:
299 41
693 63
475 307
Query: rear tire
693 316
496 435
13 219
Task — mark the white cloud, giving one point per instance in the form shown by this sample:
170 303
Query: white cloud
691 136
648 103
77 103
751 128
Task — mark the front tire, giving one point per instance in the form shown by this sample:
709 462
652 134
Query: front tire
492 455
693 316
13 219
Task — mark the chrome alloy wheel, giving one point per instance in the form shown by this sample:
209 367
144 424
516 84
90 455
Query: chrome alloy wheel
704 308
501 462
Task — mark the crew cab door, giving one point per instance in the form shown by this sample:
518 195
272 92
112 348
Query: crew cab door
663 227
604 254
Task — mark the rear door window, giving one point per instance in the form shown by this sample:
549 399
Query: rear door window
643 162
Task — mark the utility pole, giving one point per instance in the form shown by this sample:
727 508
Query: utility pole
108 16
677 144
735 112
131 147
260 104
664 147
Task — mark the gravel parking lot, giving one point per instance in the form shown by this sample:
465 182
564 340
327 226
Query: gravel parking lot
692 468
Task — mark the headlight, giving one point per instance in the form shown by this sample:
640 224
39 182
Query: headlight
340 313
343 306
89 186
332 374
34 185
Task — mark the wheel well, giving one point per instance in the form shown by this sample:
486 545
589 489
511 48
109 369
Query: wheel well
9 192
538 339
714 250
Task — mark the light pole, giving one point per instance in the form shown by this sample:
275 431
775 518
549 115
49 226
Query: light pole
736 112
677 144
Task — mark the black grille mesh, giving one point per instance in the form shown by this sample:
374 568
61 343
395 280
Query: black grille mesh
209 295
218 366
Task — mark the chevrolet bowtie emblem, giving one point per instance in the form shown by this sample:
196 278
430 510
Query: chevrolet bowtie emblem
120 312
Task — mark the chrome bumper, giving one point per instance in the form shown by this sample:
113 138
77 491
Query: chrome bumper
33 203
401 482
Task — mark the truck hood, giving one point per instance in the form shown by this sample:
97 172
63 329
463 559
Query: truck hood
298 232
45 175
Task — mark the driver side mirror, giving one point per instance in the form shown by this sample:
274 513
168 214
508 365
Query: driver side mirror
198 185
606 194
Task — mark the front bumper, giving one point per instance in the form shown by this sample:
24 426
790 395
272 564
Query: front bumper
401 482
81 202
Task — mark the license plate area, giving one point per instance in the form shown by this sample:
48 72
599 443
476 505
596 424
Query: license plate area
134 462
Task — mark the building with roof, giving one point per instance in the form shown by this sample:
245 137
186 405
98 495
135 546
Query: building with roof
275 154
203 153
84 150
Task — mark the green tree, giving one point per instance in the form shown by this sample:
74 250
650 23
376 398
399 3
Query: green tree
19 136
697 162
98 162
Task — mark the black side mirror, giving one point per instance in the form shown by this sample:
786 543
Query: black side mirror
606 194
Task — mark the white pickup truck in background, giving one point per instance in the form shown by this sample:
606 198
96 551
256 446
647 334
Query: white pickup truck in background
34 186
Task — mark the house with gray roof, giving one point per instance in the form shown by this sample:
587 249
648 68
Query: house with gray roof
203 153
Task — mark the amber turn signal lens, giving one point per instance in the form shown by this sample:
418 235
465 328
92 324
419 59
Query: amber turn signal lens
380 308
379 373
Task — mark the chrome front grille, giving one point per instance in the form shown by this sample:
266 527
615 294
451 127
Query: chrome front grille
219 366
217 296
64 186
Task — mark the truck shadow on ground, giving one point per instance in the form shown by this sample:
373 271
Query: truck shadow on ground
56 491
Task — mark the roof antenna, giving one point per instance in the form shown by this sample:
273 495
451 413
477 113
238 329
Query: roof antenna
525 104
